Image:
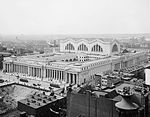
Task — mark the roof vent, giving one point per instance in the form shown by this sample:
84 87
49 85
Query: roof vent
44 101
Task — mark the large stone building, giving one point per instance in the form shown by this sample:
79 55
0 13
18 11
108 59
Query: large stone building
90 46
77 62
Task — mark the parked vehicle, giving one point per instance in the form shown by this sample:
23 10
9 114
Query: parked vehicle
1 80
34 84
23 80
54 85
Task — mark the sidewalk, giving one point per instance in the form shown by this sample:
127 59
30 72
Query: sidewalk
47 80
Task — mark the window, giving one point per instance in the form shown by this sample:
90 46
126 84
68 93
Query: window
69 46
82 47
115 48
97 48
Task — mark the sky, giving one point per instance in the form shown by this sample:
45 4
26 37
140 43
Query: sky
74 16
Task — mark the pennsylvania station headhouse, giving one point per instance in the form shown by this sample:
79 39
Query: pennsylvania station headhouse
90 46
77 60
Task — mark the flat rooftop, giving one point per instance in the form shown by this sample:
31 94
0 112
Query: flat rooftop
57 60
38 100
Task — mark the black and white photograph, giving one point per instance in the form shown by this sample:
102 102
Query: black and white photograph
74 58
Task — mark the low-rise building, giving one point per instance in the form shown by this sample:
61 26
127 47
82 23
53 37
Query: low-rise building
88 102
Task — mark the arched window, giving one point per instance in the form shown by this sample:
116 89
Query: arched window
82 47
97 48
115 48
69 46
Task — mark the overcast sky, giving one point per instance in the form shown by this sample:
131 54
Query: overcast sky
74 16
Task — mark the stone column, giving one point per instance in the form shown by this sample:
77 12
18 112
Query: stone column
4 67
68 77
50 73
24 70
43 72
31 71
31 68
35 72
57 74
60 75
9 67
38 72
46 73
14 68
54 75
19 69
28 68
73 80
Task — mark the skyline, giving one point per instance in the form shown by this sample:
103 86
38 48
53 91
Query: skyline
52 17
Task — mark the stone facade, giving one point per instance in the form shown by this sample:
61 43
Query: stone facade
93 46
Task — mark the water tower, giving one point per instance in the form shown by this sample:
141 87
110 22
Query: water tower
126 108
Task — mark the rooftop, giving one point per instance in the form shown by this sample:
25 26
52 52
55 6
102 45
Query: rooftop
38 100
68 61
109 40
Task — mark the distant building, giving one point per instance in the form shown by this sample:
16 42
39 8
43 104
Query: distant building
51 49
139 43
2 55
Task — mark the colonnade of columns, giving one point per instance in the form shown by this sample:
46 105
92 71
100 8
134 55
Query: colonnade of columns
70 78
19 69
55 74
6 67
35 72
31 71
